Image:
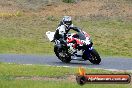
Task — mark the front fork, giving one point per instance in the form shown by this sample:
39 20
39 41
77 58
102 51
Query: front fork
87 53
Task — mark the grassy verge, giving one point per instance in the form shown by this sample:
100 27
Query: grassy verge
38 70
23 45
52 84
9 72
26 34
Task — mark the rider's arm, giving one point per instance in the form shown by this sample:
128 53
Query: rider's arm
75 29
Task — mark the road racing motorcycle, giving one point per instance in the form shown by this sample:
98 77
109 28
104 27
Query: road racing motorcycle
79 46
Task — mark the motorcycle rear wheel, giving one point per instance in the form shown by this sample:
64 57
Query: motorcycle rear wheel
66 58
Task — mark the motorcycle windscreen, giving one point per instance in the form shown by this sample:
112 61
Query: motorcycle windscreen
50 35
81 36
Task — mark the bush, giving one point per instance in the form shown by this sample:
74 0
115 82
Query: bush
69 1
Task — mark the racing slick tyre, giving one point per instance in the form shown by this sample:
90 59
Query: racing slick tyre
63 56
95 58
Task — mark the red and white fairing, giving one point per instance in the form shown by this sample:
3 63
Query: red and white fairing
78 42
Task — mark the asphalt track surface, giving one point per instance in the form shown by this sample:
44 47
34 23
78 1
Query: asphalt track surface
109 63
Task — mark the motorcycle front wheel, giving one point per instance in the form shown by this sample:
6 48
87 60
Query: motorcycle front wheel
95 58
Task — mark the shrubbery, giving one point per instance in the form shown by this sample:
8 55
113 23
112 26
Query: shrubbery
69 1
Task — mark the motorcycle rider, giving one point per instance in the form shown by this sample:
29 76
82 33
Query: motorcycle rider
60 35
63 28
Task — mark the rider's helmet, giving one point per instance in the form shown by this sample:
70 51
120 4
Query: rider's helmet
67 21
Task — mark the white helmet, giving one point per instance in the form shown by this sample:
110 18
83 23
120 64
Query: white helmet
67 20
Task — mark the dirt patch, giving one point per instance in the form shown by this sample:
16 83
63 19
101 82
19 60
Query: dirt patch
85 9
71 78
90 9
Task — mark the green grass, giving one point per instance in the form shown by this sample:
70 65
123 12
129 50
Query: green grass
23 45
26 34
40 70
8 72
32 70
53 84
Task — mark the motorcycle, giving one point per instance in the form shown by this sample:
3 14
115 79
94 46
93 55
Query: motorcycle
79 46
